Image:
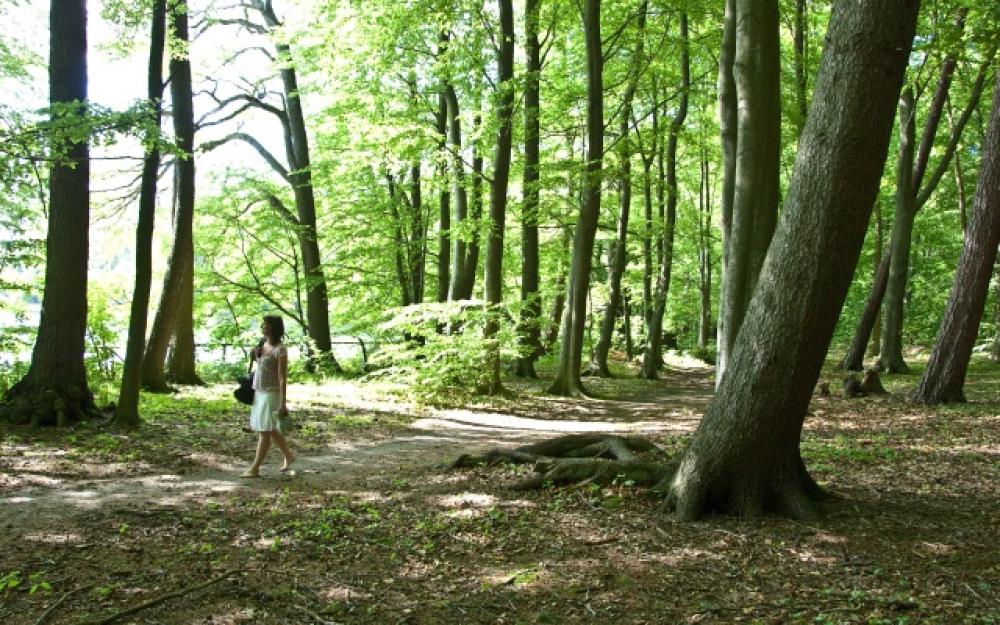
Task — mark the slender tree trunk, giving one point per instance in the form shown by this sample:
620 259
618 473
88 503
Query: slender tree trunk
459 195
799 39
728 124
471 266
444 205
647 241
127 410
653 358
619 257
756 72
55 389
417 235
705 254
531 303
498 188
854 359
567 380
399 244
944 378
891 355
173 302
300 177
559 301
627 325
995 348
744 457
876 328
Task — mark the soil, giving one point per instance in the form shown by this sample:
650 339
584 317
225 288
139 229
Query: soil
371 527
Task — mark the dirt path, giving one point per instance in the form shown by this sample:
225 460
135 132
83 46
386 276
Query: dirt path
671 405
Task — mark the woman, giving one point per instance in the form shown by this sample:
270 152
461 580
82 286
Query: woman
270 383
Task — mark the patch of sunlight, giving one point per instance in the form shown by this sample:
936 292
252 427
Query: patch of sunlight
20 499
52 538
341 592
518 578
682 554
466 500
683 361
828 538
814 558
360 495
467 419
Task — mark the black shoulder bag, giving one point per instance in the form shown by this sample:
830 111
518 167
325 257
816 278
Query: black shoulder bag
244 394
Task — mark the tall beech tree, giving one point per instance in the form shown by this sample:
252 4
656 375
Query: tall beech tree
175 311
752 150
744 457
297 174
498 186
567 379
619 251
944 378
127 410
531 311
55 389
654 333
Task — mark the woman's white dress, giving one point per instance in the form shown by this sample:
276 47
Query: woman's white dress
267 390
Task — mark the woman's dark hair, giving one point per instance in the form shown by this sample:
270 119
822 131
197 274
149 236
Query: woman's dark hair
277 327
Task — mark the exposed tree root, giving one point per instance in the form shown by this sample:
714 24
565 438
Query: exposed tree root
579 458
39 405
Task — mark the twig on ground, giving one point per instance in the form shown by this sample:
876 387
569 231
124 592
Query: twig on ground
158 600
52 608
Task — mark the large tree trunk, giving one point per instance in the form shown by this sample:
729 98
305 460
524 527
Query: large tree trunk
127 410
567 380
619 252
944 378
55 389
652 358
891 355
854 360
756 74
181 264
531 303
744 457
498 188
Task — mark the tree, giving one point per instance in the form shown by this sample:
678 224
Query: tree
752 149
174 315
55 389
498 187
654 332
619 251
298 175
945 374
744 457
530 301
127 410
567 380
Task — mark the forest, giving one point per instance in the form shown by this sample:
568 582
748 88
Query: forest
552 311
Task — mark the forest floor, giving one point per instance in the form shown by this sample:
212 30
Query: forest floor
371 527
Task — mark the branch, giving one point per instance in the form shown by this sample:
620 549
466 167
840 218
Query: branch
256 145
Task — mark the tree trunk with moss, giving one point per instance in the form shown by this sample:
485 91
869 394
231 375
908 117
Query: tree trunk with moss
744 457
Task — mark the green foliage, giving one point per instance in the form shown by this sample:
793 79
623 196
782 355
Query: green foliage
438 350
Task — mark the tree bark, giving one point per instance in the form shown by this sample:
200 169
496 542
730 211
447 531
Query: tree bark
705 254
127 410
756 75
173 299
418 234
498 188
531 303
444 204
744 457
652 358
567 380
619 257
855 358
891 354
55 389
728 123
880 254
799 41
944 378
459 195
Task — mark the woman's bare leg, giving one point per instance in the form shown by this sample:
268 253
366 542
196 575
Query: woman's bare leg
263 446
279 440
